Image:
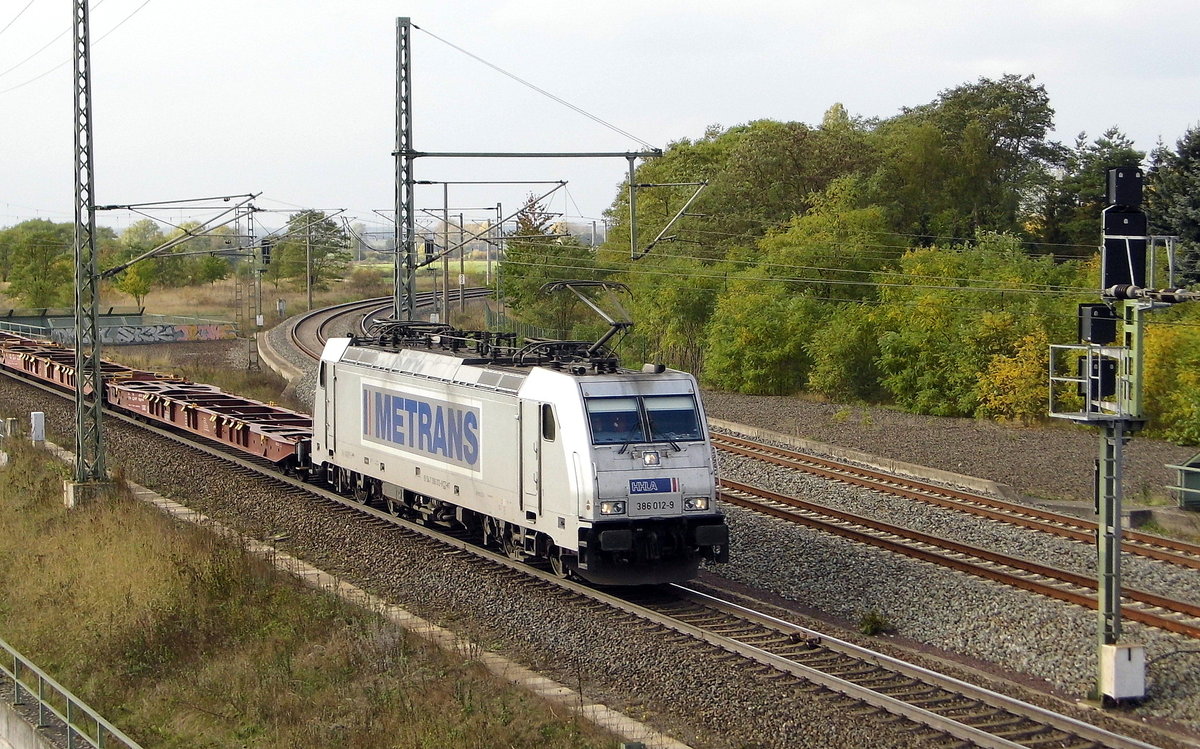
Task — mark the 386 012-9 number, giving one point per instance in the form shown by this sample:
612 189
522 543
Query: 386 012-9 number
651 505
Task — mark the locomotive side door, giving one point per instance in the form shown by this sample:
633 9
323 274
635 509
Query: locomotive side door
327 377
531 457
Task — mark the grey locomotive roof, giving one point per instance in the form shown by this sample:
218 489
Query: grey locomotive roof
444 367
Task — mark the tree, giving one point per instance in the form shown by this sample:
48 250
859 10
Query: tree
14 240
988 167
1173 199
42 269
211 269
312 251
757 337
534 257
1074 203
136 281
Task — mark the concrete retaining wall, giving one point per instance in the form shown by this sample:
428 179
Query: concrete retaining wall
17 733
116 335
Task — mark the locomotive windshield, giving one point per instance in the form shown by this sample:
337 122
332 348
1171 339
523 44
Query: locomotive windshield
616 421
672 417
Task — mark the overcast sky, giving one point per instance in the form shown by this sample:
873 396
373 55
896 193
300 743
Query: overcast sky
297 99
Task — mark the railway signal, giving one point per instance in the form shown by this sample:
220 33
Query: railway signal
1099 383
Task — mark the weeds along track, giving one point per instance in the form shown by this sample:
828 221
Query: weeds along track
1057 524
801 664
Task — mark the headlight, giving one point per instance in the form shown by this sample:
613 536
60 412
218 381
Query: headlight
612 507
695 503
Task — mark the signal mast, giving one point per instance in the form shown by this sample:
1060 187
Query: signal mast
1104 389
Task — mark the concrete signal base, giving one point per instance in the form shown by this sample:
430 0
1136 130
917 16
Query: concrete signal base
77 493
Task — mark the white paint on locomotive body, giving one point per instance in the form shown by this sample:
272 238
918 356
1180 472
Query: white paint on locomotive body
524 446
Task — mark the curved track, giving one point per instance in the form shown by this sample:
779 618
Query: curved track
309 332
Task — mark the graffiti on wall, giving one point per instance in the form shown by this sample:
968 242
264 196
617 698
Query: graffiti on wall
133 334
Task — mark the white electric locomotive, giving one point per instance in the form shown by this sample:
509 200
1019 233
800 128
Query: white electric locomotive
549 451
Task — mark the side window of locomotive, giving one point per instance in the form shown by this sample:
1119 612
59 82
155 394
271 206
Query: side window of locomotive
321 375
614 421
673 417
547 422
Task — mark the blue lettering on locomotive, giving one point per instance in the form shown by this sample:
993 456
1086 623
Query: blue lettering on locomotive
423 426
653 486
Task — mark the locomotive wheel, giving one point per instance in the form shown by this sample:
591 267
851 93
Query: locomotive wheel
509 547
557 565
362 496
393 507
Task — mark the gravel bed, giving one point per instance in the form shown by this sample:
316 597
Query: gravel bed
696 696
1021 635
1137 572
281 344
1048 462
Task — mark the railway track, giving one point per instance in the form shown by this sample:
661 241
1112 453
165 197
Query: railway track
821 664
310 332
805 664
1153 610
951 710
1057 524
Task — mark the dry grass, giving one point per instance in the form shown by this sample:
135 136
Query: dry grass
217 300
185 640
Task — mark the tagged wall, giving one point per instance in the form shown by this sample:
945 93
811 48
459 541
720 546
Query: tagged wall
163 333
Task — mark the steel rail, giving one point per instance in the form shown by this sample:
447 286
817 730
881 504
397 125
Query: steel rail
796 633
961 557
317 319
1066 526
944 724
320 319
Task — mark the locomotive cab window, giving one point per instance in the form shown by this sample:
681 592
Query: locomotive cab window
615 421
673 417
321 375
547 422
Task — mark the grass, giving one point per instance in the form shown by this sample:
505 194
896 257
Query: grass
216 301
874 623
185 640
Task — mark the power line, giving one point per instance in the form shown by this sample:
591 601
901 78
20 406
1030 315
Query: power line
19 14
67 62
755 263
544 92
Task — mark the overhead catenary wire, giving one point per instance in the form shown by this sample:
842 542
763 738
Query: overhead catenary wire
758 263
64 63
542 91
19 14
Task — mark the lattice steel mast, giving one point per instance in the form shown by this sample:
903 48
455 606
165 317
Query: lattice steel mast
402 302
89 444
